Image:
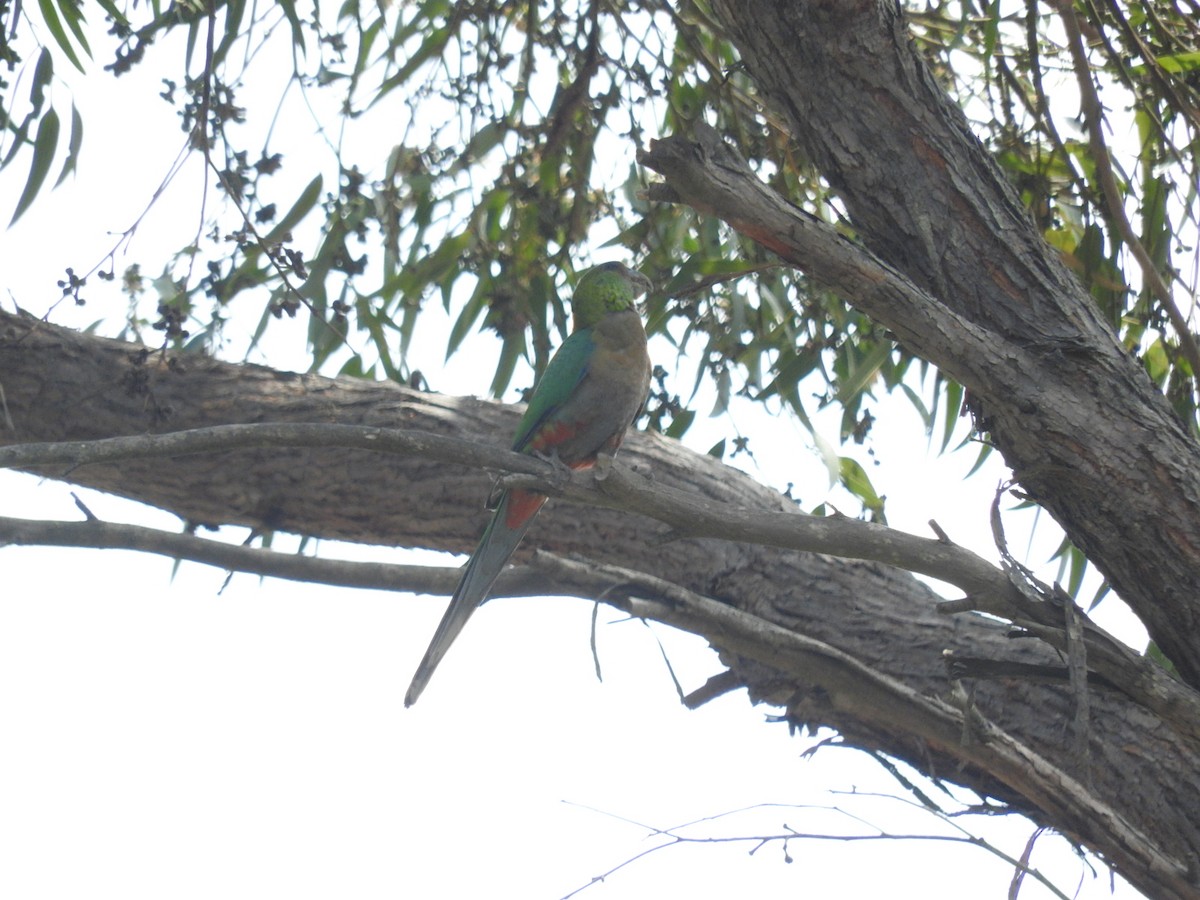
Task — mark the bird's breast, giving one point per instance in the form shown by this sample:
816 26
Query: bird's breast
610 395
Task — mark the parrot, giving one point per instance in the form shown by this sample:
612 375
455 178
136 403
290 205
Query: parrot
591 392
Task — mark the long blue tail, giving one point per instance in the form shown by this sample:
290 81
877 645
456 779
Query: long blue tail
509 524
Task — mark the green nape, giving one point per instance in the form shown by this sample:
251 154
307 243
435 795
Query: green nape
607 288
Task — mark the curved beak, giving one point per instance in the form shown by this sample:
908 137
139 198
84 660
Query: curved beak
641 282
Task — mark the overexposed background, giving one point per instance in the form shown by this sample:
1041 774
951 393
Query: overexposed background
168 734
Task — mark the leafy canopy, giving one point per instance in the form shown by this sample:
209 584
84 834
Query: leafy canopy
477 151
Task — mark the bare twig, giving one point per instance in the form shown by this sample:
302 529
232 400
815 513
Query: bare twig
672 836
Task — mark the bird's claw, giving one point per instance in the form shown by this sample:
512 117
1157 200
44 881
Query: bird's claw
561 475
603 468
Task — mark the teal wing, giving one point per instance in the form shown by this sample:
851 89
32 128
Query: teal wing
562 376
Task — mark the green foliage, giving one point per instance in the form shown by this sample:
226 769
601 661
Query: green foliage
854 478
67 13
44 145
500 150
1157 656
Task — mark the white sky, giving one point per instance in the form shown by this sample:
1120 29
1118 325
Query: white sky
165 737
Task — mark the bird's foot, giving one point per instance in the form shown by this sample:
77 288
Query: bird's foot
561 475
602 468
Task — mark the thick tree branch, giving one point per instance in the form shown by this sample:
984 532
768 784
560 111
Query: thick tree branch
263 436
63 386
990 588
853 686
847 681
981 294
709 176
689 516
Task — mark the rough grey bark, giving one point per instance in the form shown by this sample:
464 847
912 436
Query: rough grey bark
1081 425
956 269
877 673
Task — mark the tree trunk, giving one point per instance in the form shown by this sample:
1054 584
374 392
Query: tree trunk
1077 419
867 654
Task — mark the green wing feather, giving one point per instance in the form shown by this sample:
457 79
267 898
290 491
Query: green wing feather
557 383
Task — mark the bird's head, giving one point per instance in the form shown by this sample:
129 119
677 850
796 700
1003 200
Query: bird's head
604 289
